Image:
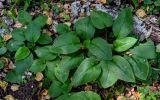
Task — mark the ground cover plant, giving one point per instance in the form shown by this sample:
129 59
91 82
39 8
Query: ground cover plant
95 50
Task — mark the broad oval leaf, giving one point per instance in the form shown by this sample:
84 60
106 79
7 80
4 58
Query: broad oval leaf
84 28
3 50
145 50
109 75
62 28
123 25
140 66
65 44
13 77
125 73
87 71
13 45
22 53
18 34
101 19
38 65
124 44
40 21
32 33
45 53
24 64
100 48
44 39
83 95
24 17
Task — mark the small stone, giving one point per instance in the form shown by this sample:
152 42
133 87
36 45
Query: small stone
66 6
9 97
39 76
14 87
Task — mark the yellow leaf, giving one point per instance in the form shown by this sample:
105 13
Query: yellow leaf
14 87
3 85
39 76
9 97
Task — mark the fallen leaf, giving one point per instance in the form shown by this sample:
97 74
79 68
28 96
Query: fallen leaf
14 87
140 13
17 25
44 92
39 76
49 20
102 1
3 85
9 97
7 37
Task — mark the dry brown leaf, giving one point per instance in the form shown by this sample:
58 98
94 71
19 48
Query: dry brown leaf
39 76
102 1
7 37
9 97
140 13
3 85
49 20
17 25
44 92
14 87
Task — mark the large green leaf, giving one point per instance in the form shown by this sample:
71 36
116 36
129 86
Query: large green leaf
24 64
88 71
62 28
109 75
145 50
50 69
3 50
65 44
100 48
32 33
71 62
140 66
38 65
18 34
45 53
24 17
13 77
124 44
101 19
83 95
125 73
57 88
44 39
22 53
84 28
123 25
13 45
40 21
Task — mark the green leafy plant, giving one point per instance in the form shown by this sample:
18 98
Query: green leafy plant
81 56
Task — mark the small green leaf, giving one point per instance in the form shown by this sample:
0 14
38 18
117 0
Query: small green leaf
123 25
88 71
101 19
2 64
110 74
3 50
44 39
84 28
32 33
45 53
38 65
124 44
18 34
83 95
62 28
40 21
24 64
24 17
145 50
100 48
22 53
126 73
65 44
13 77
140 66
